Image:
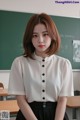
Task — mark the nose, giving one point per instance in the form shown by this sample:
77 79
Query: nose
41 39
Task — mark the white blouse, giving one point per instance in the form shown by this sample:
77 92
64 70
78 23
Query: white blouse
42 79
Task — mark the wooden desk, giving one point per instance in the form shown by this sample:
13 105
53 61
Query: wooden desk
73 102
10 105
3 93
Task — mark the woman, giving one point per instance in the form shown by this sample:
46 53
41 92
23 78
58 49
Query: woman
41 80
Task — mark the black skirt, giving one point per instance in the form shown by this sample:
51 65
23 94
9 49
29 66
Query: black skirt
42 110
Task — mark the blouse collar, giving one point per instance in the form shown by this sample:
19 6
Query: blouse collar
44 59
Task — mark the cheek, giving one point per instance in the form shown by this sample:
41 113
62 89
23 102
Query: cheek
34 42
49 43
48 40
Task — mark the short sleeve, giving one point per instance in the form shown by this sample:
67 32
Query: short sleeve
67 88
16 83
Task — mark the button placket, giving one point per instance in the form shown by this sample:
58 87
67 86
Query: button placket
43 80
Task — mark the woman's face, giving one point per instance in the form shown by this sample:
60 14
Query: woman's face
40 39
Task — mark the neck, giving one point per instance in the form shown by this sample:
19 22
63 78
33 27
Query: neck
41 54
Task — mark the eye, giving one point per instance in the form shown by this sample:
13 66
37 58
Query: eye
45 34
34 36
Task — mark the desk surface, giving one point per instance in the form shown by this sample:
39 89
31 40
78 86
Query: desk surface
3 92
10 105
73 102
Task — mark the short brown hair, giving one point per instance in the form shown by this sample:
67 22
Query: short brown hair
52 31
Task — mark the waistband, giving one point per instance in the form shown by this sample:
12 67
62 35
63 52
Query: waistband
43 104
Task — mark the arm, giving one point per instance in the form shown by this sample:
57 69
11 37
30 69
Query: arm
25 108
61 107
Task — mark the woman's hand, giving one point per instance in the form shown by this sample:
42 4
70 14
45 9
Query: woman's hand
61 107
25 108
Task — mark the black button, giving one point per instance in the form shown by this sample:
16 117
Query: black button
43 80
43 74
43 60
43 65
43 98
43 90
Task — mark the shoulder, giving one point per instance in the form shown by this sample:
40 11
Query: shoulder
59 58
62 60
18 61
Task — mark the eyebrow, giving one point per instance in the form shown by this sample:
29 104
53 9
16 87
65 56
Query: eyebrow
42 32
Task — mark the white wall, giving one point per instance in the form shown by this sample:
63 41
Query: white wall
76 79
4 77
37 6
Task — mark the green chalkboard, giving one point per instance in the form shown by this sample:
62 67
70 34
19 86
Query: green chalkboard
12 27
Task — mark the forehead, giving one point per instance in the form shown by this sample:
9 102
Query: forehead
39 28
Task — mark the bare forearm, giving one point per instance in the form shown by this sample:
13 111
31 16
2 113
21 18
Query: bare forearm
60 110
25 108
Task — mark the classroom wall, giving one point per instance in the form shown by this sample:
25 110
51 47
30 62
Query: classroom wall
37 6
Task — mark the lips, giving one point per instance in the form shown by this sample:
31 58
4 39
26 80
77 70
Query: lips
41 46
